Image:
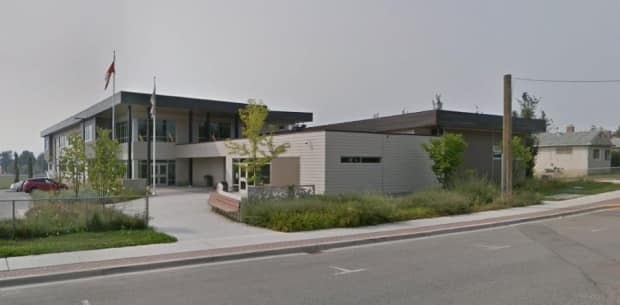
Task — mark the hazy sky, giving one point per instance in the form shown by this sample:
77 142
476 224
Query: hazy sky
342 60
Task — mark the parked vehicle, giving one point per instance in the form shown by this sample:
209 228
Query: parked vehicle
44 184
17 186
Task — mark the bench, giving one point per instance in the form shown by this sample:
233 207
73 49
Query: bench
225 205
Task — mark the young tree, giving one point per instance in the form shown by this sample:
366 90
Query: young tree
6 157
522 156
73 159
40 164
437 102
16 166
30 167
105 171
260 149
528 105
446 152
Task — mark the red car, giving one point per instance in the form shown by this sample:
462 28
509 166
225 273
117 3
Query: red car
44 184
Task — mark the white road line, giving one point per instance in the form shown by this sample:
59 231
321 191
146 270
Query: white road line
342 271
492 247
85 302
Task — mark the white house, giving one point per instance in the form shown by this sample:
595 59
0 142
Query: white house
573 154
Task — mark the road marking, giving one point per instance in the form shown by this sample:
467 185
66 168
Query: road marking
492 247
85 302
342 271
598 230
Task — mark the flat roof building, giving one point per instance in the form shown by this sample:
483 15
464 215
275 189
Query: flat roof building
374 155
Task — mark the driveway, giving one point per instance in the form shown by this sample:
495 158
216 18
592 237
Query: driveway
184 213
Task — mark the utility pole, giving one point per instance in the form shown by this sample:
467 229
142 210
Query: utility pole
507 139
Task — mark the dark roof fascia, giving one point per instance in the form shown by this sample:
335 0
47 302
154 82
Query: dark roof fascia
385 124
82 115
166 101
468 120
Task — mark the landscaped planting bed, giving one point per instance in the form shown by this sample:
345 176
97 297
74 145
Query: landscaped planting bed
354 210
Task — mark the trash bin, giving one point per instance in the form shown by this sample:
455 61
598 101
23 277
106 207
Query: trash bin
209 180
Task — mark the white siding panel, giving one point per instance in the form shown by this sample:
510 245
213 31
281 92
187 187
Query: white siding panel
308 146
404 167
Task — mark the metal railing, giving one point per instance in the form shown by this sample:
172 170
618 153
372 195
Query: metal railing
280 192
30 218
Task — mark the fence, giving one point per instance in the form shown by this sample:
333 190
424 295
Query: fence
279 192
31 218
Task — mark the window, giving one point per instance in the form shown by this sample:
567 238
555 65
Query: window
596 154
214 131
122 132
564 150
166 131
263 176
497 152
142 131
88 133
607 154
348 159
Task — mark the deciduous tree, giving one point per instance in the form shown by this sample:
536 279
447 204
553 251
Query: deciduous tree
73 159
446 152
106 171
260 149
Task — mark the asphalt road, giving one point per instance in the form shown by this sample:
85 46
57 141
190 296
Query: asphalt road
565 261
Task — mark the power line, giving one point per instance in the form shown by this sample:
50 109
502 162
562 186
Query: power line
566 80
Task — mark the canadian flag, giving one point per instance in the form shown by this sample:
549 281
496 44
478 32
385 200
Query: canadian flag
108 74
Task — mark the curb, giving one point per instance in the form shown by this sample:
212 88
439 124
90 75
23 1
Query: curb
310 247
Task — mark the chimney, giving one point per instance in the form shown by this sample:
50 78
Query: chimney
570 128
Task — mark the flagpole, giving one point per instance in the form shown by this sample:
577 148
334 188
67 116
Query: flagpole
154 113
113 96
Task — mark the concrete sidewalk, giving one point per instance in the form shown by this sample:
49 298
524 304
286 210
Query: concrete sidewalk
264 242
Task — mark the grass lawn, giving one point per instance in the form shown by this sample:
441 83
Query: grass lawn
82 241
570 186
6 181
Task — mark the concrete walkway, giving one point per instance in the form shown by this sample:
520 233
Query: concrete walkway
238 238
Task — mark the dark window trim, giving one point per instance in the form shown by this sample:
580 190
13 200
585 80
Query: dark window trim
361 159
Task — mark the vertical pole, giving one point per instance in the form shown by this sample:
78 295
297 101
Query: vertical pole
129 143
507 139
146 209
14 220
154 110
113 96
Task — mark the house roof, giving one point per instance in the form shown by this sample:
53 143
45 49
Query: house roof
167 101
579 138
436 119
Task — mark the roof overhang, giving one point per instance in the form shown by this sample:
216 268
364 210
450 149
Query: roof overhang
167 101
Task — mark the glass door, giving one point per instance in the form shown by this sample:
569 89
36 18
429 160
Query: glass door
161 176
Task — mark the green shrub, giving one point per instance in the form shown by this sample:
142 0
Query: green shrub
52 219
480 191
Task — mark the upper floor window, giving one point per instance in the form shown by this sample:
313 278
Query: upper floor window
214 131
122 132
165 132
88 133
